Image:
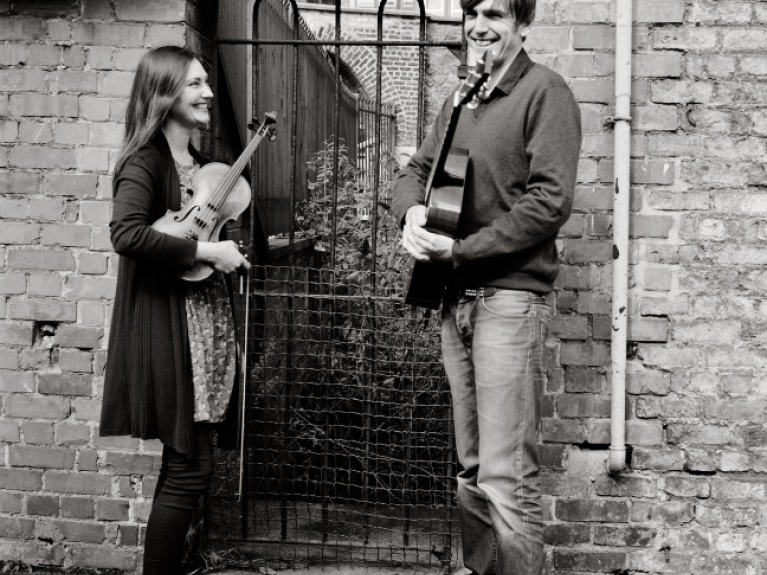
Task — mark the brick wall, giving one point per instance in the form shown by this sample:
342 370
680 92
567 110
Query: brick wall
69 498
694 499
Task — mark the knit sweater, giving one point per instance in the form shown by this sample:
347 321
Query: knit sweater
523 142
147 386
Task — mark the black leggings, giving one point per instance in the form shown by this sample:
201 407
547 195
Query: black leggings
182 480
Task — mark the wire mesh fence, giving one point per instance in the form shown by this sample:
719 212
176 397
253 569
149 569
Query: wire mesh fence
348 451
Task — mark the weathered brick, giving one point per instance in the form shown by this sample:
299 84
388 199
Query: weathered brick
9 431
128 535
75 531
112 509
43 457
104 558
674 511
72 81
131 463
86 409
587 354
37 407
73 434
65 384
725 563
77 507
583 405
66 235
612 511
16 333
26 29
742 39
11 502
566 535
620 536
20 479
71 184
87 460
43 505
44 157
75 360
115 84
589 561
44 285
16 527
658 459
108 34
702 434
90 287
79 483
37 432
42 309
681 486
15 381
19 183
45 105
659 11
71 133
19 233
625 486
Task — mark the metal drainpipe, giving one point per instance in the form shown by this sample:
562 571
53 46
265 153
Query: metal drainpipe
621 197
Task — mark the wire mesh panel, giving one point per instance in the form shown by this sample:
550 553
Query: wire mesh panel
348 451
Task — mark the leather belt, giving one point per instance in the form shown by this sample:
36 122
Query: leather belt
488 291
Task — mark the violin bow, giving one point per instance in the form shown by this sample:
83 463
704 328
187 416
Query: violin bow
244 376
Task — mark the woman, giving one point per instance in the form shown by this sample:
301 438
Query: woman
171 366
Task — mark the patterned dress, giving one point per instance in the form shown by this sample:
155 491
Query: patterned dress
211 332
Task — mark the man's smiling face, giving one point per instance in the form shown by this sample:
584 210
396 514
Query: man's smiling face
490 26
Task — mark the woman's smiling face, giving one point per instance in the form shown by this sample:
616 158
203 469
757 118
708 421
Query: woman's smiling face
490 26
191 108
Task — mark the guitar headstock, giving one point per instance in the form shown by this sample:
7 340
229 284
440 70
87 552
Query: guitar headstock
475 81
269 131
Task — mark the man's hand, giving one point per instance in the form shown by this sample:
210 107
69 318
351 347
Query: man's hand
422 245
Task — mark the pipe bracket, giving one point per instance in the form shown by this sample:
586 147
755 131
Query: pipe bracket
615 119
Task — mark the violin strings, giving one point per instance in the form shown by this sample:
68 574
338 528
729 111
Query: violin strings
223 189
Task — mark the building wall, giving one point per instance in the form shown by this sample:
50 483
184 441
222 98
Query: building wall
694 499
69 498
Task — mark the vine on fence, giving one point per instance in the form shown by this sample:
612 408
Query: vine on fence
354 218
352 387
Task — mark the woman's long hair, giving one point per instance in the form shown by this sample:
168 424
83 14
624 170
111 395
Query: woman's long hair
159 80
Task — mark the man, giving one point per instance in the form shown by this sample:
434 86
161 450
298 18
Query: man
523 141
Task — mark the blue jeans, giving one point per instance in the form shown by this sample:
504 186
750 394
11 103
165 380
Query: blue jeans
493 353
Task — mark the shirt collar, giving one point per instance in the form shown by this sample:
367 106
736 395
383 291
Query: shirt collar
519 67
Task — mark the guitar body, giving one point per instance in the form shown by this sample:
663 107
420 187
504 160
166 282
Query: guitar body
444 196
427 281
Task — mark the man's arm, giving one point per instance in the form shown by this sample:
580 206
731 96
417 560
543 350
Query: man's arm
553 146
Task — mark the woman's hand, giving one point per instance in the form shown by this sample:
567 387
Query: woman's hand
223 256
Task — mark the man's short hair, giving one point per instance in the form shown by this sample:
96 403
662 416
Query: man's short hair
523 11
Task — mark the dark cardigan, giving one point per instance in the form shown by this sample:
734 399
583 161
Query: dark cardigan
147 385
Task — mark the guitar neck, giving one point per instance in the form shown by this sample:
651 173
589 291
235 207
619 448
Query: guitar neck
442 150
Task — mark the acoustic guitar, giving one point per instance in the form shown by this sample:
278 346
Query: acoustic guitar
444 194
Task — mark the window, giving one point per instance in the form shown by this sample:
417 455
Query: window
439 8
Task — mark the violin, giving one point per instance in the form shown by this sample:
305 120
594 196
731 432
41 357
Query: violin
220 194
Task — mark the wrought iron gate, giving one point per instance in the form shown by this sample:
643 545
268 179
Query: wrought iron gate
348 451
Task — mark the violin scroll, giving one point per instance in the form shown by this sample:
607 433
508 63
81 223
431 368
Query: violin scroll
269 119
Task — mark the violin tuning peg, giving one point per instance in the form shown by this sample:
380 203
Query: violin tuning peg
254 124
